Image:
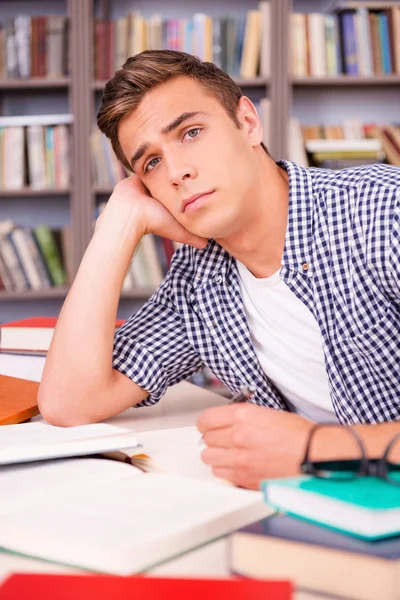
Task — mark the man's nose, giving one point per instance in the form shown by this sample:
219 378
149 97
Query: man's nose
179 172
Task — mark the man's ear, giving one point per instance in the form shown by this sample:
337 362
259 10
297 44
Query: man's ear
251 124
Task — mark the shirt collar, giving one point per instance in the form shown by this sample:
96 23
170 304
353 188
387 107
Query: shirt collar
297 253
214 260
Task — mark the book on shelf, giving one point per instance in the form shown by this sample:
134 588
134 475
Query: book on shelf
74 514
350 144
33 258
106 168
103 587
30 336
345 145
18 400
35 155
34 46
366 507
360 39
312 557
151 260
240 45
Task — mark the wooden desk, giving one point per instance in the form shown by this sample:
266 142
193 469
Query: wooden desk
180 407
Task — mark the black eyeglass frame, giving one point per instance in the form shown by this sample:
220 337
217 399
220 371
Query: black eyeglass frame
367 467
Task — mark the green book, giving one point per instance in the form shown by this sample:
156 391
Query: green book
367 507
50 252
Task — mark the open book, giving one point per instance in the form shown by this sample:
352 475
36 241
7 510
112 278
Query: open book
175 451
106 516
39 441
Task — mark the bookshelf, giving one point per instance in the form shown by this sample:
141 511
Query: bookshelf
79 93
336 98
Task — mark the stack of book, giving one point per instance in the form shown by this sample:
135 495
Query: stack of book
35 152
34 47
351 144
33 259
73 513
239 45
355 40
337 537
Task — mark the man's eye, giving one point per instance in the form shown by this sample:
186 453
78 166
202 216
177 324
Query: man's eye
192 133
151 164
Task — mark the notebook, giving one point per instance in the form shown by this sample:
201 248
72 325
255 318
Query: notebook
367 507
314 556
30 336
105 516
18 400
67 587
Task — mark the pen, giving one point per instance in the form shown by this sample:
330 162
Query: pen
246 392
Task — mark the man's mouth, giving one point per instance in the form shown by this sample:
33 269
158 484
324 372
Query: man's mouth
195 200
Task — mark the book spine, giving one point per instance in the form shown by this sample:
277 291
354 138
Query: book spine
23 43
366 45
349 43
5 275
36 156
12 260
18 239
385 44
48 248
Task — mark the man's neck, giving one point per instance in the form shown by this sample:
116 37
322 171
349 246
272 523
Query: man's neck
260 241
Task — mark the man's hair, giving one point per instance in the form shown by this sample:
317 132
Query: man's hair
145 71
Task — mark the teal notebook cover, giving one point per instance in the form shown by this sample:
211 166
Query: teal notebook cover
367 507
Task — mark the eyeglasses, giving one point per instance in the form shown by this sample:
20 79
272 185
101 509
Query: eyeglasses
359 465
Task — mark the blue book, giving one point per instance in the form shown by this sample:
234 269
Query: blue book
316 558
366 507
385 43
349 43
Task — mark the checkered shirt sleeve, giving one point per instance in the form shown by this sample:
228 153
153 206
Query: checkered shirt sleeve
152 348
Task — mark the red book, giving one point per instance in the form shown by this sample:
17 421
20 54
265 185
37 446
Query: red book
30 336
94 587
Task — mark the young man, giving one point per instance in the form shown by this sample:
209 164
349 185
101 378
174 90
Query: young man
288 279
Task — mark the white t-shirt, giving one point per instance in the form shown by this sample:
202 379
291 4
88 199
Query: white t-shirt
288 344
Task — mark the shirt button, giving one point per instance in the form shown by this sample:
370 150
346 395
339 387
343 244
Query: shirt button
305 266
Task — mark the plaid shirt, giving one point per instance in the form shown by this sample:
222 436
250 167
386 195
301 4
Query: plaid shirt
341 259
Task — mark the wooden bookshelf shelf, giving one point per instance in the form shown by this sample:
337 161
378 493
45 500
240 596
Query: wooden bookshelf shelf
244 83
344 80
50 293
34 83
26 191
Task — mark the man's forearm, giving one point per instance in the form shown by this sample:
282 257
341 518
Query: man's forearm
336 442
79 358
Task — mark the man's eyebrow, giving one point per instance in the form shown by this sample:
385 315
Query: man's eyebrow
165 130
138 154
179 120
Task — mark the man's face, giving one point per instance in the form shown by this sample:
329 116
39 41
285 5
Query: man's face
184 145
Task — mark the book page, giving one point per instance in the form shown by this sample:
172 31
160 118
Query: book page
132 524
37 434
31 484
176 451
36 441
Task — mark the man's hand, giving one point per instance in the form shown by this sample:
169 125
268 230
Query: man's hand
248 443
151 216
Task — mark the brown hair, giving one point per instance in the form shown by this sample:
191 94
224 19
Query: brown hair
143 72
